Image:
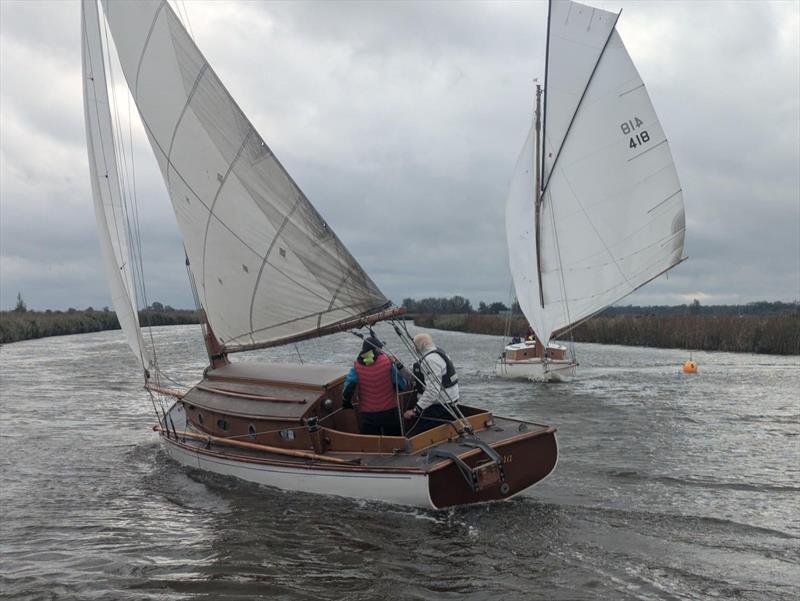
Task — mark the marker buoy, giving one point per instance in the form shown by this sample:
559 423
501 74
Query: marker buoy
690 365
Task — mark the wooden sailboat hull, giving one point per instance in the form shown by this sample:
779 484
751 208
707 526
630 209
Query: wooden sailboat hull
536 370
527 458
527 360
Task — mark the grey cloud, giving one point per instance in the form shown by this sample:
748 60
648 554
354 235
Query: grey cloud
402 122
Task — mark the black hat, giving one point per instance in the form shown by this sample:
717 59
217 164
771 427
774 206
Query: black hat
371 344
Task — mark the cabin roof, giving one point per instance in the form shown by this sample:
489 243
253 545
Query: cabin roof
287 374
261 390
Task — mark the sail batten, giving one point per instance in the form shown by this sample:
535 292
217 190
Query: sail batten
267 265
612 205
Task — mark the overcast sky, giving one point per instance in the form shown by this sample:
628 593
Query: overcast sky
402 123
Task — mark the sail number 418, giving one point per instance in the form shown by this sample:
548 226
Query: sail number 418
636 138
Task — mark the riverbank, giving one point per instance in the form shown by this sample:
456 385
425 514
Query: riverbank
771 334
27 325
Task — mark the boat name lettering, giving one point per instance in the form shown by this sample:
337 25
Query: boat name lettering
630 125
508 458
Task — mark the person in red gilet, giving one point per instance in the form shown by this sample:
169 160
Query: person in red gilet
378 381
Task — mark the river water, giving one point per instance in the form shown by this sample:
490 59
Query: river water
668 487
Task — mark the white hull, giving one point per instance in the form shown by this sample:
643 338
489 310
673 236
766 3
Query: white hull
399 489
537 370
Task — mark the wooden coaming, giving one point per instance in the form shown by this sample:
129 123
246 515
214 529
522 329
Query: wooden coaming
534 352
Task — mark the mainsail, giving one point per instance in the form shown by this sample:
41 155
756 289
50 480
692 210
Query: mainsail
612 215
109 206
267 266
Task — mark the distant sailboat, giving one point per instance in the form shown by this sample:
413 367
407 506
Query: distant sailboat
266 270
595 208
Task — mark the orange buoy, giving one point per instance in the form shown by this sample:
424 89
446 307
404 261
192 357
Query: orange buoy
690 365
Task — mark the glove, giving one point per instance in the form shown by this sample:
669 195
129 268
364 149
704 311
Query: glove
347 403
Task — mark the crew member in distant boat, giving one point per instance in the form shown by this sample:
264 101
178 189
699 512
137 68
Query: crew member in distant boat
378 380
441 387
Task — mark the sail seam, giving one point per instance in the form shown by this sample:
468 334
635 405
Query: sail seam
144 48
664 141
665 200
641 85
580 102
594 228
211 210
183 112
266 260
571 327
335 294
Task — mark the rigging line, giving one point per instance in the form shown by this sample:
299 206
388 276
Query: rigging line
546 77
121 160
188 22
560 270
135 249
450 405
580 102
103 150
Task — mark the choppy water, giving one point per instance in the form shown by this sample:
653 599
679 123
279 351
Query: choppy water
668 487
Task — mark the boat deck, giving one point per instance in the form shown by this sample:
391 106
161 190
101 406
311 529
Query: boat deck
504 431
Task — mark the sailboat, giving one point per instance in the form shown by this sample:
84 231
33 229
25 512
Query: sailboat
266 270
595 207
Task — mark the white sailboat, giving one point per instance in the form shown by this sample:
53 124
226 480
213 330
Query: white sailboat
595 208
266 270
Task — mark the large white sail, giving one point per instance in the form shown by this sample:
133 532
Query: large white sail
109 207
612 211
267 266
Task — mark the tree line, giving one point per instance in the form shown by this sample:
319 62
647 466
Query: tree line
460 305
24 324
768 334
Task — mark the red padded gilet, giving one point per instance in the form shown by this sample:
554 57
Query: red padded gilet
375 388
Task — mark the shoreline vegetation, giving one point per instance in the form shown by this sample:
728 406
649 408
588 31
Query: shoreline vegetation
764 327
18 325
771 335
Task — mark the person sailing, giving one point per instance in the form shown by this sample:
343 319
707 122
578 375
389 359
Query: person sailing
378 380
441 387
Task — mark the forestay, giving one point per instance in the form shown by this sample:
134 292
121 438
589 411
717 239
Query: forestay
109 206
612 207
267 266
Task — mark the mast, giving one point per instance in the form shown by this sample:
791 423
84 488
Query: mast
537 190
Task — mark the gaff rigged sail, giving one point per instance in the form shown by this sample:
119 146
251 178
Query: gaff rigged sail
267 266
612 215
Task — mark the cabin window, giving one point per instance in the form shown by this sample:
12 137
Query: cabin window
251 429
222 424
200 417
287 434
